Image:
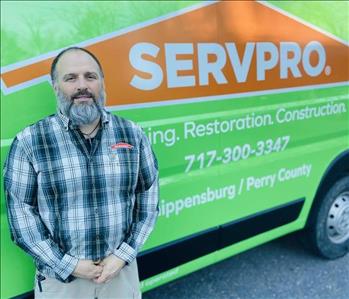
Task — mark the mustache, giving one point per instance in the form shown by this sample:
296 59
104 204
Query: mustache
82 93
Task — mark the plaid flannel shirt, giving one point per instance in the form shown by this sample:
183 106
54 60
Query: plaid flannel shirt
66 202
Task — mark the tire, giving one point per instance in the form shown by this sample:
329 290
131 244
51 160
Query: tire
328 230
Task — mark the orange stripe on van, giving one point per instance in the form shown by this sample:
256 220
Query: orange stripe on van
238 22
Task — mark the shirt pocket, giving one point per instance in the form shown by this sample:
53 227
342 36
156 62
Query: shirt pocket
124 169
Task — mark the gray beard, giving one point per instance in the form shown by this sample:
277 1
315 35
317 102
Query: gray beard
82 113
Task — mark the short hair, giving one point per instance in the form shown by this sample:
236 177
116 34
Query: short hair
55 61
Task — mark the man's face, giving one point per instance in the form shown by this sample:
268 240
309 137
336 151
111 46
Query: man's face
79 87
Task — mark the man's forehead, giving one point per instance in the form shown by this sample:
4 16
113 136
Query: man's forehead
76 61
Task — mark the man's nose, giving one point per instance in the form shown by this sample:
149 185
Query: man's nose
81 84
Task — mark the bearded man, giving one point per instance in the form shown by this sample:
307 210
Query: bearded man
82 189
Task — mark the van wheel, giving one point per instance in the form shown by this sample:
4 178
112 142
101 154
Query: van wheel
328 230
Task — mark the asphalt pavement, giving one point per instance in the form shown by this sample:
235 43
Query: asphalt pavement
281 269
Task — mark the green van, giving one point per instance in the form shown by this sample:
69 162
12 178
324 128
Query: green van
245 104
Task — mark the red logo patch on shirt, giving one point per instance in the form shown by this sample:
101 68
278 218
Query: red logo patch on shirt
121 145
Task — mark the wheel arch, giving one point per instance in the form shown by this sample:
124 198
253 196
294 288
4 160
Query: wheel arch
338 168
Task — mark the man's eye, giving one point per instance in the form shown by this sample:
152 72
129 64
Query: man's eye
69 79
91 77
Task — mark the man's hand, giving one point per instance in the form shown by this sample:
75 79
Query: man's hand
87 269
111 267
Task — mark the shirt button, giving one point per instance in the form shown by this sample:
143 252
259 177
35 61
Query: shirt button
97 237
96 262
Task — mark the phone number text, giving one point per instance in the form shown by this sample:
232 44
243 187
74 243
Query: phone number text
236 153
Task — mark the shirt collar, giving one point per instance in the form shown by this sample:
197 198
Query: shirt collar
65 121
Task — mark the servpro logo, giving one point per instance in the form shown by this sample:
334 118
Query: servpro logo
214 50
287 57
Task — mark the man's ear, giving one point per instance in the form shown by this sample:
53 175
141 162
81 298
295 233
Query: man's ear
55 87
104 92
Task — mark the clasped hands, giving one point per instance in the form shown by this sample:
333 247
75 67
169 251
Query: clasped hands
102 272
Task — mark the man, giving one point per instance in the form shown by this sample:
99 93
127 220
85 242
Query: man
82 189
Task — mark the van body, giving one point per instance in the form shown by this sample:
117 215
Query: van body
245 104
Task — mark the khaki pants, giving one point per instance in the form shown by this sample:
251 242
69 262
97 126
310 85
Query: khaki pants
124 286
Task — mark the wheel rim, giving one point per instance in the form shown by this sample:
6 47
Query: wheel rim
338 219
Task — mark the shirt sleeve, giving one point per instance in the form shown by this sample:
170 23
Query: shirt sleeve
27 229
146 204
